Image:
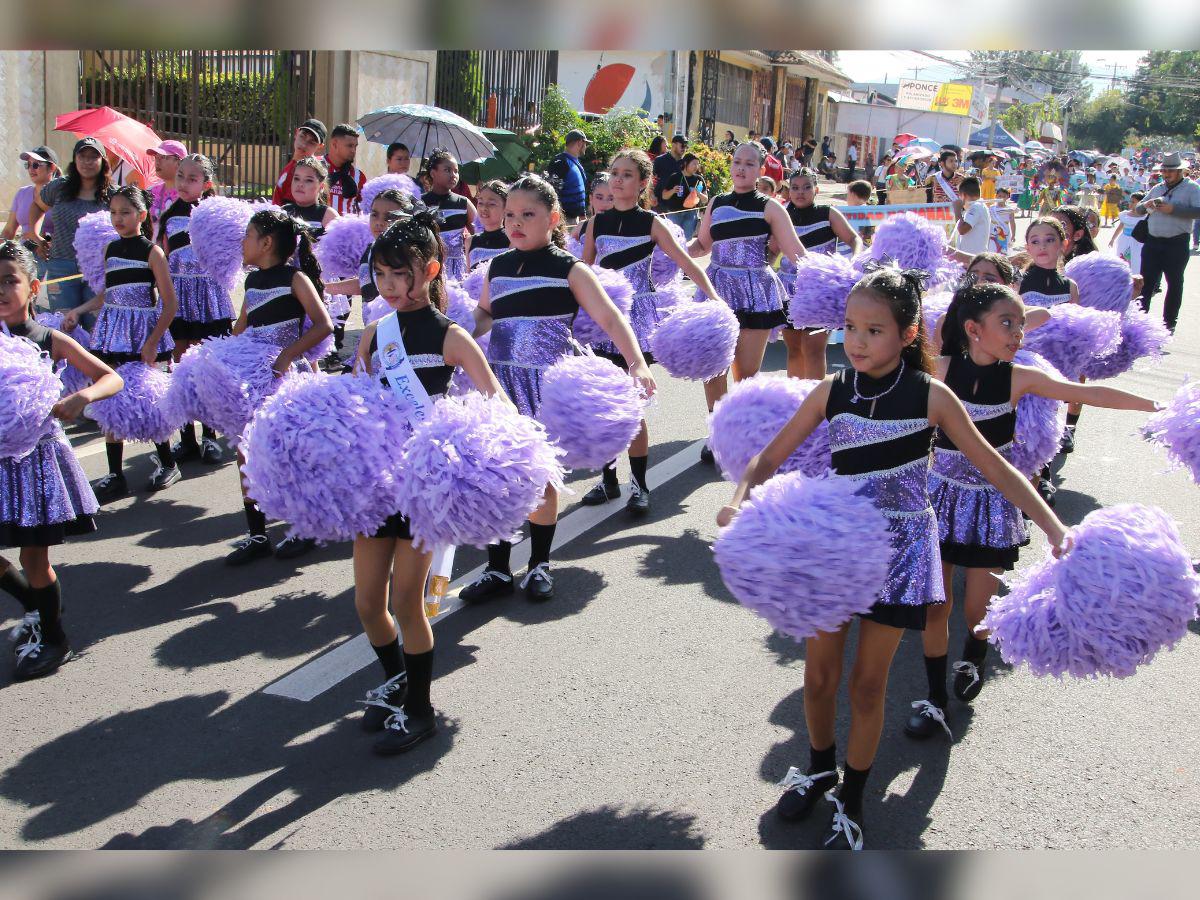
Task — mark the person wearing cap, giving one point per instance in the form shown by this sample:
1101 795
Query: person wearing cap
166 163
1173 205
84 189
42 165
309 140
346 180
570 172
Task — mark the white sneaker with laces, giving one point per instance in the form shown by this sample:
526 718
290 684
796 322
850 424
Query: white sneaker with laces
843 825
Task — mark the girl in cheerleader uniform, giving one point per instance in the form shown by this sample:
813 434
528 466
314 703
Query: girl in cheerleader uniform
493 240
820 229
384 204
528 303
310 204
600 199
882 412
44 495
457 212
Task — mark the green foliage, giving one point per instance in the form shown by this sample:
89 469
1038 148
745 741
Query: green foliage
615 130
558 117
1101 123
1027 118
466 99
1160 101
714 167
1062 71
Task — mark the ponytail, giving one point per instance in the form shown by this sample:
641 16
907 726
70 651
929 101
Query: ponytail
289 234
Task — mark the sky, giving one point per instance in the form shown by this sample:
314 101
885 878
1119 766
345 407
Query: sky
891 65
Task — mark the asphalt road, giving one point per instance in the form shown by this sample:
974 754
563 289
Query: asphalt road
642 708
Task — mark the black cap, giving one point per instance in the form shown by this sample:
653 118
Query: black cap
767 142
41 154
575 135
679 139
92 142
316 126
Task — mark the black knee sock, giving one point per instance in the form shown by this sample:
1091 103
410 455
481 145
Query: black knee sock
1072 419
854 782
255 520
540 539
207 432
14 582
638 466
165 456
115 451
391 658
974 649
420 674
187 435
339 335
49 606
822 760
610 475
935 671
498 556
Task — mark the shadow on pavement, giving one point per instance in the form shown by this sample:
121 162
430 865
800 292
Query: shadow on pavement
614 828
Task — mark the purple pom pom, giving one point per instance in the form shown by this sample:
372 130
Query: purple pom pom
933 308
1104 281
912 241
1126 591
663 269
139 411
1142 335
473 471
823 282
73 380
28 391
321 454
747 418
1039 425
337 305
945 277
380 183
322 348
375 310
79 334
697 340
785 555
473 283
234 377
184 390
217 228
1074 336
1176 428
574 246
341 249
92 237
620 292
460 308
591 409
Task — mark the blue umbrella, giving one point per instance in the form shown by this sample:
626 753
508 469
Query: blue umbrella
426 128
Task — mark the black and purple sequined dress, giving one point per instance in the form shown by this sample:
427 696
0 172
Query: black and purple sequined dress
485 245
453 210
205 308
883 444
131 305
739 269
624 244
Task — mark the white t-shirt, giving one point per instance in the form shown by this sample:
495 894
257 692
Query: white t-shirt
977 216
852 153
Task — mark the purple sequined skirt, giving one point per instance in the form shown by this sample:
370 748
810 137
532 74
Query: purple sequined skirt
755 295
648 309
45 496
455 263
124 323
977 526
521 349
205 308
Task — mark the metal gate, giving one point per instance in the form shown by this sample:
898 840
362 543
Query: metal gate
238 107
709 87
496 88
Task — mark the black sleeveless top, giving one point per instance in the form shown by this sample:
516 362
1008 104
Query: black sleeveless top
132 256
636 222
978 386
1044 287
813 228
546 292
313 217
909 399
424 334
35 331
742 227
366 278
453 208
180 209
269 297
490 240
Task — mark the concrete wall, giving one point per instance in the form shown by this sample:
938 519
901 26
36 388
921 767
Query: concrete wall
385 79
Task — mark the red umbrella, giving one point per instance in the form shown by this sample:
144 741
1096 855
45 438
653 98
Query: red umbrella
904 139
122 136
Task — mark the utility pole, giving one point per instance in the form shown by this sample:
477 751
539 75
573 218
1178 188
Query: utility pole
995 111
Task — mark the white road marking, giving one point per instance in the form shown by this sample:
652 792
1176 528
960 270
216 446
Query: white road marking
314 678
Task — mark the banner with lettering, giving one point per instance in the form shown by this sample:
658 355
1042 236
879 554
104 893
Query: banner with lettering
866 216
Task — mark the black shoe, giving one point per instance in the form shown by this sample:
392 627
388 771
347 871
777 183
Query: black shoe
490 584
926 720
968 680
111 487
163 478
1046 490
36 658
801 792
601 494
846 824
248 549
293 547
639 500
211 453
402 732
537 582
1068 440
185 451
23 629
331 362
383 701
706 455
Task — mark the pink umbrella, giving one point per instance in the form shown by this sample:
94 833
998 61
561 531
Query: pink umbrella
122 136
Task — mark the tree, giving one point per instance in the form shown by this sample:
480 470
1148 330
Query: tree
1062 71
1027 118
1164 95
1102 122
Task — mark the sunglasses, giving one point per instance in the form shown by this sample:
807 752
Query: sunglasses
31 164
